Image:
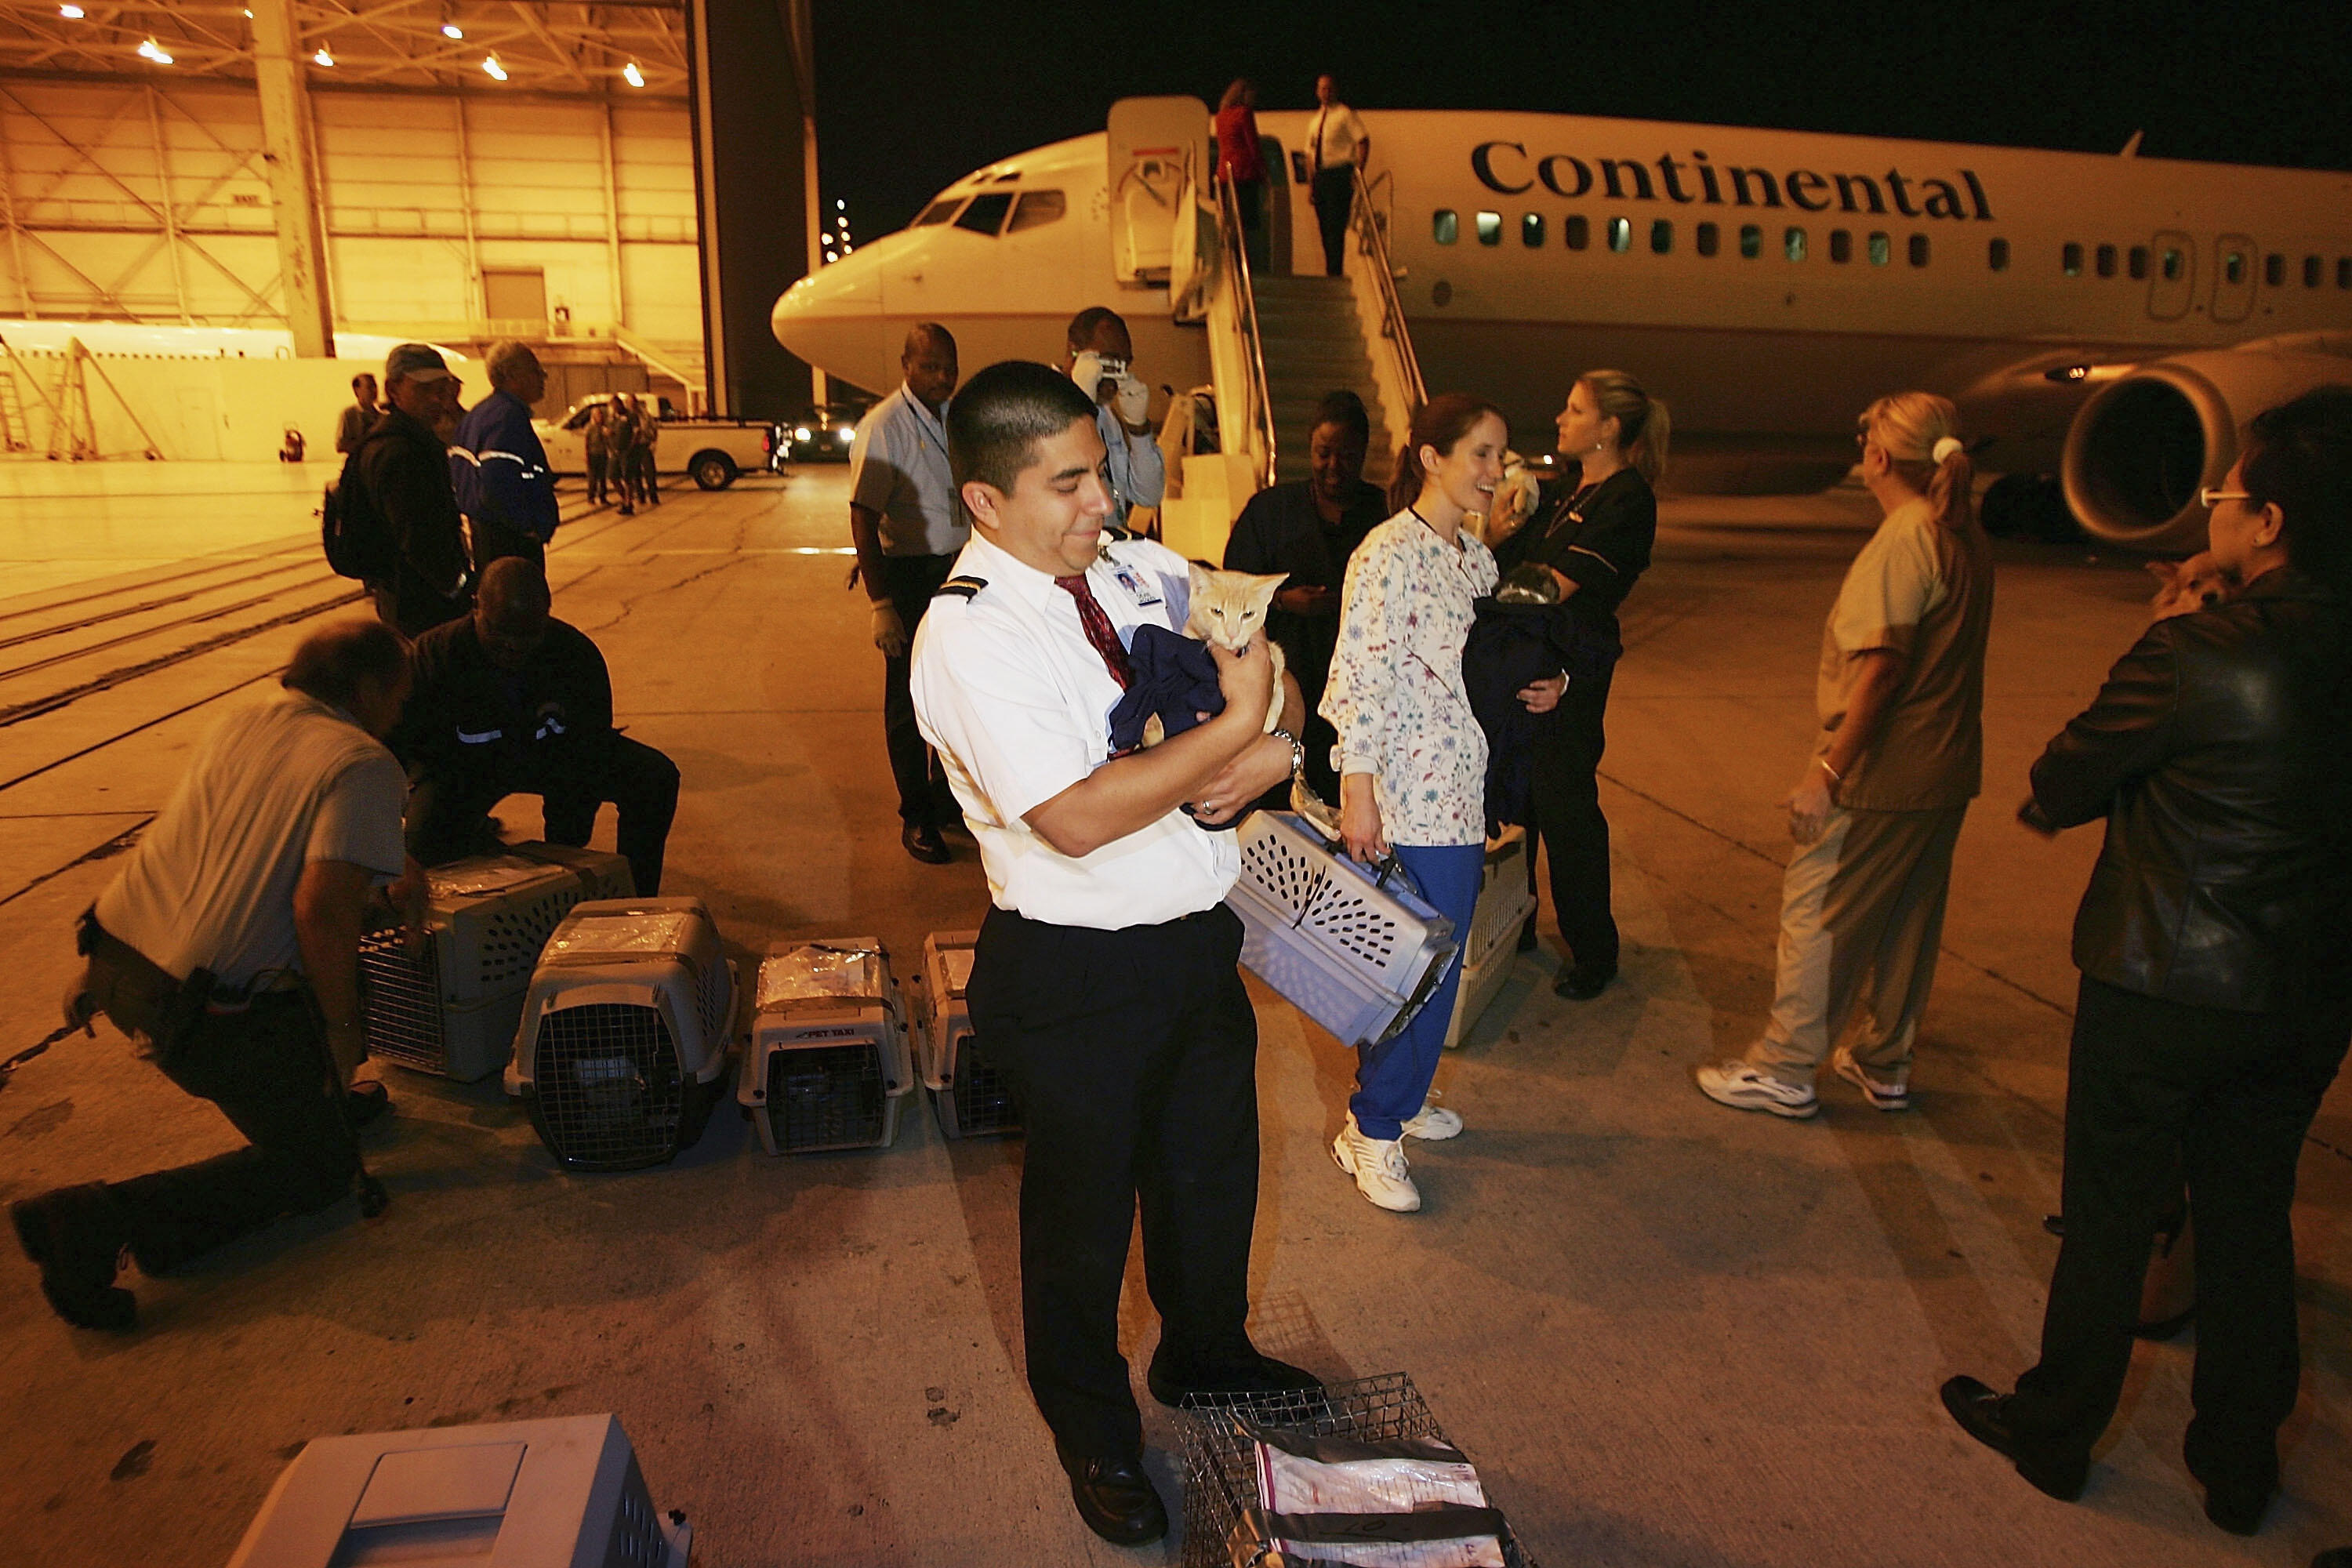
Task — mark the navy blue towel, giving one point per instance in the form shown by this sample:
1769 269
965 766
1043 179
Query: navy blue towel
1511 647
1170 675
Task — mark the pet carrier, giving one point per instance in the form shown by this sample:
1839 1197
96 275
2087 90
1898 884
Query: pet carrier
1226 1479
451 1008
828 1062
527 1494
1349 947
1505 902
602 874
625 1033
971 1096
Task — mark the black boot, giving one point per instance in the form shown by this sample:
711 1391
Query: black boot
76 1235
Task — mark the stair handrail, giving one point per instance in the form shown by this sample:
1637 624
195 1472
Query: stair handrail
1375 245
1236 255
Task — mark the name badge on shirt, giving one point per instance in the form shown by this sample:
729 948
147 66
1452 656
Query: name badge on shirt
1138 587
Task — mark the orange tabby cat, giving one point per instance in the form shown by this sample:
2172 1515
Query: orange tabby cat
1228 608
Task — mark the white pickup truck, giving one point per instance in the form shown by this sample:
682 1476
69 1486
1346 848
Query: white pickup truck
712 452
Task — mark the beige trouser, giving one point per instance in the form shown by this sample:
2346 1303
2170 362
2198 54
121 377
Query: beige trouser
1864 901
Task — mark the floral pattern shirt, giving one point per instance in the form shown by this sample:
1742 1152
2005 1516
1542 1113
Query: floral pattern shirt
1396 694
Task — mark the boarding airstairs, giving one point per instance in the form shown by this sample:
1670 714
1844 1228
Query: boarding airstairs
1277 343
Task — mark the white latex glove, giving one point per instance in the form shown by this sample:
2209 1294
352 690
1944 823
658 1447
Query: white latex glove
1133 400
889 631
1088 371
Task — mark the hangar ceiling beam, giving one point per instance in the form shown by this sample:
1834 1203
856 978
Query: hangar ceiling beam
293 178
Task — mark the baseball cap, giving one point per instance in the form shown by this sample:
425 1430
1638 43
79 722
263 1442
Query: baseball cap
419 362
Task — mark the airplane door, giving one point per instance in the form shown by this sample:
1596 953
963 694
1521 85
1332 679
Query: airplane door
2172 278
1154 143
2234 278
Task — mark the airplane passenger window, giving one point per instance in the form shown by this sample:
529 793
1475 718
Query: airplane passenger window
986 213
1620 235
1919 250
2233 268
1577 231
1997 256
2273 270
1841 245
1445 226
1710 239
1490 228
2070 257
1532 230
1661 237
2344 272
1882 249
2311 272
1751 241
938 212
1036 209
2104 258
2171 265
2138 261
1794 242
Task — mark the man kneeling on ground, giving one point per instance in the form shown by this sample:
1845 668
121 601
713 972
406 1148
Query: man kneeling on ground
229 945
511 700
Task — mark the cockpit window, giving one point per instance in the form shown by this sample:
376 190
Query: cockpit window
1034 209
938 212
986 213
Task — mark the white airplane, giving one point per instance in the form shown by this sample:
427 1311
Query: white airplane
2127 315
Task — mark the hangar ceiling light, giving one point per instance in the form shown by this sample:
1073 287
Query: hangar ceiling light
632 75
495 71
70 13
451 30
325 57
152 50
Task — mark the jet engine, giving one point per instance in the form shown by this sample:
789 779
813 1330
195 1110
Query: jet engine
2143 445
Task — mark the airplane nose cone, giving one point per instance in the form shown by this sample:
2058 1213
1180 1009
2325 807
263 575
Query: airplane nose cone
833 318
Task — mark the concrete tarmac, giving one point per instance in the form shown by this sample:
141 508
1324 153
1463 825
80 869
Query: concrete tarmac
1668 1333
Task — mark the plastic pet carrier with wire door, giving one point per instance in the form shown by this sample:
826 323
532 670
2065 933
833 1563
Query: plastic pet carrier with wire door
625 1033
556 1493
1505 902
828 1063
971 1096
452 1007
1350 947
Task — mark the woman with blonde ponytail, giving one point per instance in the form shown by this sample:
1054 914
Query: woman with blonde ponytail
1594 537
1899 756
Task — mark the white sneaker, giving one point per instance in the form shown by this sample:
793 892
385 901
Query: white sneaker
1433 1122
1743 1087
1379 1166
1881 1094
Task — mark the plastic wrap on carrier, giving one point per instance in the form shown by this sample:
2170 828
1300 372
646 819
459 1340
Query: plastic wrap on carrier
822 972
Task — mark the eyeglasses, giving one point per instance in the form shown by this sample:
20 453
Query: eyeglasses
2210 498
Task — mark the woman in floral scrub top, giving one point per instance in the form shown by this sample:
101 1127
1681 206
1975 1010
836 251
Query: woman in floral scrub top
1413 761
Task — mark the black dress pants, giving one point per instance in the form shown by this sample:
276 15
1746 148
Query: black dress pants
1134 1057
448 807
266 1069
599 472
1566 806
924 797
2152 1088
1334 194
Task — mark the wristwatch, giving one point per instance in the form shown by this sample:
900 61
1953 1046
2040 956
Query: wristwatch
1298 750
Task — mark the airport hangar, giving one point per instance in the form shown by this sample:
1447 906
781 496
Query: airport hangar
591 179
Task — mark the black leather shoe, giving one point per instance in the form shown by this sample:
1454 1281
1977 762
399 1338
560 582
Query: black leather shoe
75 1233
1984 1415
1583 985
2238 1511
1256 1374
1116 1499
924 843
367 1102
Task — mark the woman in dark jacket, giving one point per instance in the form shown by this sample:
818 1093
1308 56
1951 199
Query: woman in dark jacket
2214 943
1596 540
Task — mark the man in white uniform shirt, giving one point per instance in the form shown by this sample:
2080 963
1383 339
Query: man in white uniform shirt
1337 145
257 874
908 526
1104 983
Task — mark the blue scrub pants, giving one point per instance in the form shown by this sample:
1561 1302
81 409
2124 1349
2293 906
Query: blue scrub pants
1392 1077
